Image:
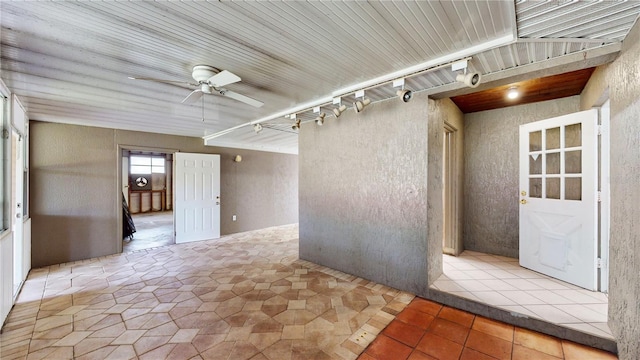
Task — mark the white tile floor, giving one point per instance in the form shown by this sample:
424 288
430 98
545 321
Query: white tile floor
499 281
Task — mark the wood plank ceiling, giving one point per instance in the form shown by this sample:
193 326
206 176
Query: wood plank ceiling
69 61
529 91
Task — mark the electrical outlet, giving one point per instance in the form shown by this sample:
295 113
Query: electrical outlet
233 218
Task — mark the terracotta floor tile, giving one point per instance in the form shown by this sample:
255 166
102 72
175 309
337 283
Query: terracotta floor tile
494 328
365 356
439 347
415 318
470 354
524 353
405 333
539 342
489 345
457 316
383 348
573 351
425 306
449 330
419 355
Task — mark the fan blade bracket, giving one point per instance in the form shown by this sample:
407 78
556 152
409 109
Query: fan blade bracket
239 97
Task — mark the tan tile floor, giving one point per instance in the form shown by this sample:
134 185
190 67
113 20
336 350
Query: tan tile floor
244 296
501 282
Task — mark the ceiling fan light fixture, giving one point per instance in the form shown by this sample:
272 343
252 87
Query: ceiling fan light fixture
513 93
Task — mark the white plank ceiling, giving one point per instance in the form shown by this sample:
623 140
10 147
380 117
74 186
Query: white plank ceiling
69 61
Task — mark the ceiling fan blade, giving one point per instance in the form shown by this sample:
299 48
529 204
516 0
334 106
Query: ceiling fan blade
162 81
193 97
223 78
245 99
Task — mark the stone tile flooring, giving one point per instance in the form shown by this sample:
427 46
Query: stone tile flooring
244 296
501 282
427 330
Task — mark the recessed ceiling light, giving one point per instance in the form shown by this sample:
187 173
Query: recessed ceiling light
513 93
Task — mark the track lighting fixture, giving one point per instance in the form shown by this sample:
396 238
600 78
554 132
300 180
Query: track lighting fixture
359 105
339 110
320 119
404 95
471 79
296 125
257 128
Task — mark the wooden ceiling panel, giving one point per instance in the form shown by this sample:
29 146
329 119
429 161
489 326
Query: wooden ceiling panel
534 90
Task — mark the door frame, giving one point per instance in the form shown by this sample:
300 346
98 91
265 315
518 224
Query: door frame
604 211
450 205
118 200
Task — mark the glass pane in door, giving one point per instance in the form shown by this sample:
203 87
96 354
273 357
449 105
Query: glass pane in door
553 139
573 135
535 141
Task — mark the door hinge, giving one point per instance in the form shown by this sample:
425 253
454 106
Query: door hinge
599 263
599 196
599 130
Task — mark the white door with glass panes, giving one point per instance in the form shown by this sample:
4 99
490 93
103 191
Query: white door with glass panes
558 197
197 197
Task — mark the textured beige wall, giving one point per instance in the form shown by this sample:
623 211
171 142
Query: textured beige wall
75 199
622 81
492 174
365 194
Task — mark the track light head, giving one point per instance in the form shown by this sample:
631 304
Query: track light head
404 95
471 79
257 128
320 119
339 110
296 125
359 105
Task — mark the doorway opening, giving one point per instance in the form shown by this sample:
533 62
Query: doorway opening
147 183
501 283
450 233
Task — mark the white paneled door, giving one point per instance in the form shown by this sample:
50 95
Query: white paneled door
197 197
558 197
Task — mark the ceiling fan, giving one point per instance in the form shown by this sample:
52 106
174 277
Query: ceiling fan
210 81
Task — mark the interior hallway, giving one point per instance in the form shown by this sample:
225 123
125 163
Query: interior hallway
244 296
153 229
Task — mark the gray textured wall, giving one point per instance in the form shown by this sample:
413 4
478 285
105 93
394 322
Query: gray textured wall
363 193
491 173
75 199
622 78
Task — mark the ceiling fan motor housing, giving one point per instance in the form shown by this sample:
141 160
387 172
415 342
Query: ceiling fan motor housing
201 73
